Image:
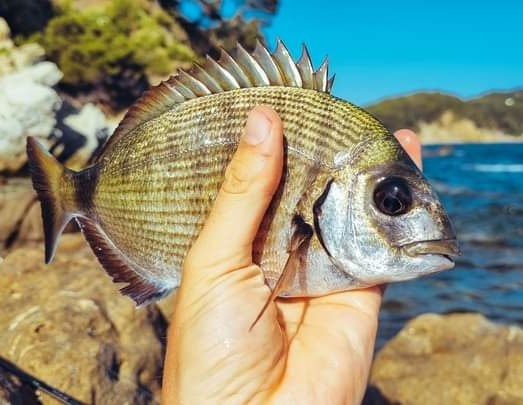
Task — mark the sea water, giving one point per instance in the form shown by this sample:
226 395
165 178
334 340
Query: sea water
481 186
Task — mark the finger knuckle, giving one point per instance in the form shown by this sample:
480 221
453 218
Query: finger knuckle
237 179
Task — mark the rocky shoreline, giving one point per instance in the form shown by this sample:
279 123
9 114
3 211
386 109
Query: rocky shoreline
457 359
67 325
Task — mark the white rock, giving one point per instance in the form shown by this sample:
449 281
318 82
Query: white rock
45 73
89 121
27 106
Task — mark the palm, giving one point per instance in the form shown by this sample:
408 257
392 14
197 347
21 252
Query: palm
329 362
307 350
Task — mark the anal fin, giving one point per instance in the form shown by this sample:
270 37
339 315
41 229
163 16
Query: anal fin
302 233
119 268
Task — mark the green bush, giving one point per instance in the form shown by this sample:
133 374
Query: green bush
106 40
408 111
490 111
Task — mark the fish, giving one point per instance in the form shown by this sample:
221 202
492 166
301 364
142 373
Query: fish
352 210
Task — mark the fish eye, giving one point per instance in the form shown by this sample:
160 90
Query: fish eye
392 196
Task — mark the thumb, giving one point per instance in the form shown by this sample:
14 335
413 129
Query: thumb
251 179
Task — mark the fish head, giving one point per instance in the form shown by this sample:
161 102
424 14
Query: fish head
381 221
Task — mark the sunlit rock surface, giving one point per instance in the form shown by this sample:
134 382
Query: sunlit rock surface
450 359
67 324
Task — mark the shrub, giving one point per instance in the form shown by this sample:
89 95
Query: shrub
106 40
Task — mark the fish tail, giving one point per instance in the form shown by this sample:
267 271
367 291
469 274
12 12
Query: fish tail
54 185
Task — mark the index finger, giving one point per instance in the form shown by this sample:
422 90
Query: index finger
411 143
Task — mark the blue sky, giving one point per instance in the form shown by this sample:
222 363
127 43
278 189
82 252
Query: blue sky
384 48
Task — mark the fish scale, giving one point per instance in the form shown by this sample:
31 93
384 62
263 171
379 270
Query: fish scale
144 201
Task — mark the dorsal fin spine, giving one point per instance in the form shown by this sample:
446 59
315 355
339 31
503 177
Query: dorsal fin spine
229 64
320 76
287 66
330 82
226 80
251 67
200 73
183 89
197 87
304 65
175 94
265 60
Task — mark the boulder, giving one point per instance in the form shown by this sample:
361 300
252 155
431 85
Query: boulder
31 229
450 359
16 198
67 324
27 107
13 57
20 215
92 124
44 73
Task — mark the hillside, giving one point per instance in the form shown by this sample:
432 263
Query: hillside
439 117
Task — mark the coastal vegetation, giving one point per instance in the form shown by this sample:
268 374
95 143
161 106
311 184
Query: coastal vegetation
110 39
438 116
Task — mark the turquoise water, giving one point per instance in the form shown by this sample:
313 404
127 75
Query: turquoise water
481 187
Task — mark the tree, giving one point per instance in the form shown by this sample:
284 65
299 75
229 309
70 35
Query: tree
26 16
212 28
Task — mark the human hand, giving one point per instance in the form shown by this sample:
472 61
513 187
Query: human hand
302 350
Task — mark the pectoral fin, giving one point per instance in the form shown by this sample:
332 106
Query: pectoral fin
302 232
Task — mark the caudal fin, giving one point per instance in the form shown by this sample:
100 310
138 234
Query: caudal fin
50 179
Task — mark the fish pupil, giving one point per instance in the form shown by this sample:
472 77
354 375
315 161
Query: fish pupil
392 204
392 196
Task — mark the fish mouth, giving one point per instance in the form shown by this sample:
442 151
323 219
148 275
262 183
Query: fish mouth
443 247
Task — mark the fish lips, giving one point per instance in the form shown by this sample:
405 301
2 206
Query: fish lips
441 250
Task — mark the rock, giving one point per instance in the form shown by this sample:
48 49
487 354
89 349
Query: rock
90 122
31 229
30 106
45 73
450 359
16 198
20 215
68 325
13 57
27 107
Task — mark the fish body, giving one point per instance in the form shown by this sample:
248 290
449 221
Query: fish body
334 223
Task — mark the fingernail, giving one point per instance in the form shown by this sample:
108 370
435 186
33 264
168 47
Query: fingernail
257 129
406 135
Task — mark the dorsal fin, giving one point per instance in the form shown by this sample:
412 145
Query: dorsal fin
239 69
